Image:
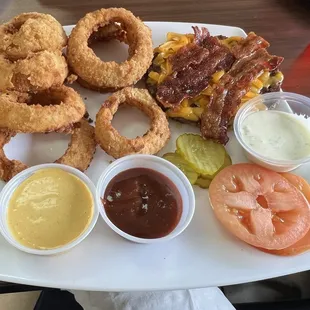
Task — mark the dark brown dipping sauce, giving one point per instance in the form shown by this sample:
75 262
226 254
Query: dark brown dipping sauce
143 203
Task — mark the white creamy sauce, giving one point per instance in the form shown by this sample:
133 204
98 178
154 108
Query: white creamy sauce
276 135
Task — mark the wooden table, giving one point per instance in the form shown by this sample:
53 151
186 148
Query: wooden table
284 23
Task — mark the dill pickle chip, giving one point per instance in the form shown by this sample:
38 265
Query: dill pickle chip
183 165
205 156
227 162
203 183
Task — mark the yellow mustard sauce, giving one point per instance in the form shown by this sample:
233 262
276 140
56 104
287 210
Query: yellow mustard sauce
49 209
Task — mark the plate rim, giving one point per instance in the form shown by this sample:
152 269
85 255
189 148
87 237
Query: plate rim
96 286
183 23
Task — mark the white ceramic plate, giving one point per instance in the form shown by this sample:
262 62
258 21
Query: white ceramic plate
203 255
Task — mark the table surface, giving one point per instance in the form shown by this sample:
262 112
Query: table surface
284 23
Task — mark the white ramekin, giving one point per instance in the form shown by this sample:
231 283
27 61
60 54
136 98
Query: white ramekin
10 187
162 166
290 103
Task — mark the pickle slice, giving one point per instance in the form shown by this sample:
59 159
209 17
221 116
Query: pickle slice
203 183
227 162
205 156
183 165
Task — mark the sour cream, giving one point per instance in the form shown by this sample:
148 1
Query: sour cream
276 135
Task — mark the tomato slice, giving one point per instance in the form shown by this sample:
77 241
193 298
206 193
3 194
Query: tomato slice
259 206
299 183
303 244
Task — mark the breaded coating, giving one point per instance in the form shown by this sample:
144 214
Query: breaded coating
31 32
35 73
81 148
117 145
54 109
100 75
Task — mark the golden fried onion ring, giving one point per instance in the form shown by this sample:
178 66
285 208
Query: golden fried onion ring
81 148
35 73
79 154
31 32
97 74
116 145
54 109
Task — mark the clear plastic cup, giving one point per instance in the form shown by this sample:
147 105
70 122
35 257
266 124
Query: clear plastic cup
162 166
279 101
9 189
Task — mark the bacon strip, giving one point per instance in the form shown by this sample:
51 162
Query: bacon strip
201 34
249 45
188 56
193 66
226 97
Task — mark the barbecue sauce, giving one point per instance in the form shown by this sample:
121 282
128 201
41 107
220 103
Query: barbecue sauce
143 203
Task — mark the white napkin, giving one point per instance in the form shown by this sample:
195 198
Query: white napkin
196 299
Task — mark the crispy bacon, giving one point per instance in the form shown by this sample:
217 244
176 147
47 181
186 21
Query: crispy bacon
188 56
200 35
226 97
249 45
192 67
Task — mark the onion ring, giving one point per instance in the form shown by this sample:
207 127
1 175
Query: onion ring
81 148
103 76
116 145
55 109
37 72
79 154
8 168
31 32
